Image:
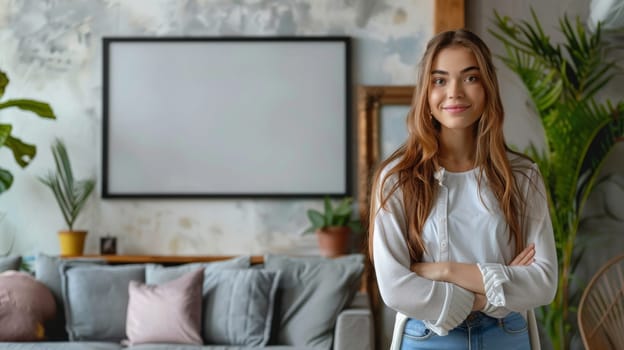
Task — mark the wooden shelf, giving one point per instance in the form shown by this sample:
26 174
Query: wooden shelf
162 259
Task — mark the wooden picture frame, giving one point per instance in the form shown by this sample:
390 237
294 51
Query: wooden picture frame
371 100
448 15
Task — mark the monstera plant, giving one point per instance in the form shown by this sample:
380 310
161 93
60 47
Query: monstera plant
562 80
23 153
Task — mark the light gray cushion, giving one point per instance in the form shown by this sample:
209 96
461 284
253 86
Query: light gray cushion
311 294
238 306
96 300
47 271
10 263
157 274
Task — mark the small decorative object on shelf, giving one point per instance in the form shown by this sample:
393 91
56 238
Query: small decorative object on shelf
108 245
334 226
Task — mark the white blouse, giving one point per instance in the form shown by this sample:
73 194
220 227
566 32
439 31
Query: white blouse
466 227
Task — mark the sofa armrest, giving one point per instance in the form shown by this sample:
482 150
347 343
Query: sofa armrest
355 328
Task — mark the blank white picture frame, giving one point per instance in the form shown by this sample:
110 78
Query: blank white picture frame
226 117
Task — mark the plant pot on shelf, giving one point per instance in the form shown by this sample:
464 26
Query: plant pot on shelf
334 240
72 242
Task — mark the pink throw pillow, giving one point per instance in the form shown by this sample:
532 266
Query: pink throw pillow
166 313
25 304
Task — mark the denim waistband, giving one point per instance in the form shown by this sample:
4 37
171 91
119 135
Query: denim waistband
477 318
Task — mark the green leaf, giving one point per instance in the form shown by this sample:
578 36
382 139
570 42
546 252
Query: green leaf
356 227
23 153
329 213
339 215
4 81
70 195
5 132
53 182
316 218
83 190
42 109
344 208
63 168
6 180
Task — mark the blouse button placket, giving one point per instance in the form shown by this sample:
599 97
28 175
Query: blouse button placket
443 204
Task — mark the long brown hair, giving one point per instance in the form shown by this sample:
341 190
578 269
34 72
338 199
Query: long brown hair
416 160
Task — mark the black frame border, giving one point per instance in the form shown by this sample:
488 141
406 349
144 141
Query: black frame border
345 40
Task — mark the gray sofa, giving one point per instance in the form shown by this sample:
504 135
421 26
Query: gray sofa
283 303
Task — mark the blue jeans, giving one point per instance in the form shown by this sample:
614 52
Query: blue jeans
477 332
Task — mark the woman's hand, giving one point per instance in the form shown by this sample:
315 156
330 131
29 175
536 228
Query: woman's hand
431 271
526 256
465 275
479 302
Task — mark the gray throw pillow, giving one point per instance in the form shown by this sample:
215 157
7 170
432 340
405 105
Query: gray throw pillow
96 300
47 271
238 306
10 263
311 294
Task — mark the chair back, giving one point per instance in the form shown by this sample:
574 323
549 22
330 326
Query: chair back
601 310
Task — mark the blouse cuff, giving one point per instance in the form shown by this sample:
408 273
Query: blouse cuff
494 311
494 277
488 308
457 306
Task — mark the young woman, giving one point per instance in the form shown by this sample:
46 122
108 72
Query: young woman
460 233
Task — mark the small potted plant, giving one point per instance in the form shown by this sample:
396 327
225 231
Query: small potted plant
334 226
71 196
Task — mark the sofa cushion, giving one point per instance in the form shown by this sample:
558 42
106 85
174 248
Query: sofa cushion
166 313
238 306
311 294
25 304
48 272
96 300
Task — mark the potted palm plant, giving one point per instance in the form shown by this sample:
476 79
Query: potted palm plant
334 226
562 81
71 196
23 153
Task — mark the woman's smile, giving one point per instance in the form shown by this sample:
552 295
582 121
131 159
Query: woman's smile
455 109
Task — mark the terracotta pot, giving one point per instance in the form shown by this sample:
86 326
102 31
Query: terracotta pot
72 242
334 240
